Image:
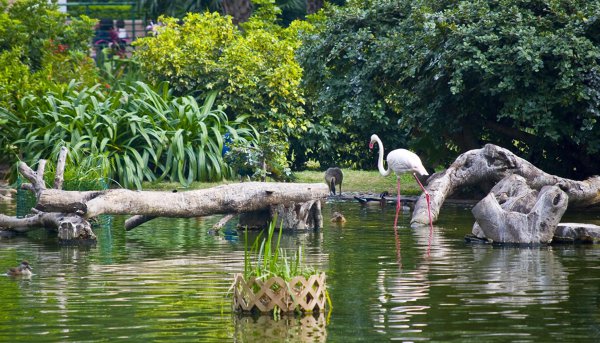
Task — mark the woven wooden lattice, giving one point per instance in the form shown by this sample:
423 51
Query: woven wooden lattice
264 328
299 293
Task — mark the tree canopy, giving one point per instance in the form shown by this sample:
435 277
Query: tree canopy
449 76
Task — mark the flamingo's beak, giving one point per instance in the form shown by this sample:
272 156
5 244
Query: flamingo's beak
371 145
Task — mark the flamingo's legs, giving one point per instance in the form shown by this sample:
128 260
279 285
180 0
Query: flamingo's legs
398 205
428 202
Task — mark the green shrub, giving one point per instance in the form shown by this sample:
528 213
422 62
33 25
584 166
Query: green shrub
39 49
449 76
261 157
103 11
253 69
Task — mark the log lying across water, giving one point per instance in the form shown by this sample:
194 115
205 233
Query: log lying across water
232 198
69 211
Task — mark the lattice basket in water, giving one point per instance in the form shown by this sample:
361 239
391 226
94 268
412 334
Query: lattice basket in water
298 294
310 327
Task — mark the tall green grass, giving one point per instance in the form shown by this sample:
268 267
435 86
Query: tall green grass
131 135
266 259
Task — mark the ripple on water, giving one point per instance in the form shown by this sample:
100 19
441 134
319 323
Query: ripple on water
169 281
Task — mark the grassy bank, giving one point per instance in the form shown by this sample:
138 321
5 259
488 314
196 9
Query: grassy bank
361 181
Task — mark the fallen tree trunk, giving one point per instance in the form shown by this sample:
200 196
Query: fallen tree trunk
69 226
232 198
69 211
225 199
490 165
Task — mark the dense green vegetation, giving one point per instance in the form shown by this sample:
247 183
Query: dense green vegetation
445 76
253 68
131 136
439 77
39 50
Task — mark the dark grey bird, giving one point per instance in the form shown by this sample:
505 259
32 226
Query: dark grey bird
334 176
381 200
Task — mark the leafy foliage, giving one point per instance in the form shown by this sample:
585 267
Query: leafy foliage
40 49
253 69
178 9
341 87
290 9
457 74
103 10
261 157
131 135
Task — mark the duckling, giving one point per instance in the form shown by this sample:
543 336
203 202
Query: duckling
22 270
337 217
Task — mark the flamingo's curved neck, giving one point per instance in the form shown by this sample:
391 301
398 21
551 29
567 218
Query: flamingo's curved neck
382 170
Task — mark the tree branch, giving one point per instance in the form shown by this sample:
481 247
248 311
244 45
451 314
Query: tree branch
492 164
60 168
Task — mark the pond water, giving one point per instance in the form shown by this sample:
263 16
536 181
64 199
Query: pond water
168 280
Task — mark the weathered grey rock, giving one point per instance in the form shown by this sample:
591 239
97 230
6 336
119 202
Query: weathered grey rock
536 226
577 233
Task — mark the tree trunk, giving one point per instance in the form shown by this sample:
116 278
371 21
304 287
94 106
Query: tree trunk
69 211
70 227
233 198
536 226
239 10
490 165
298 216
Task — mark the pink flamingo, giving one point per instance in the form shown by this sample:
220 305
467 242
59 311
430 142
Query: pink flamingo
401 161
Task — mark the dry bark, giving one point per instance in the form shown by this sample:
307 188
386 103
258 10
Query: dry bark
69 226
69 211
535 226
512 194
490 165
232 198
60 168
146 205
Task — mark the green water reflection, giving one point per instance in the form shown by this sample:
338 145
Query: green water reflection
169 279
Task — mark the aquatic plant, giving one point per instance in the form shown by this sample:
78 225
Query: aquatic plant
263 260
275 282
